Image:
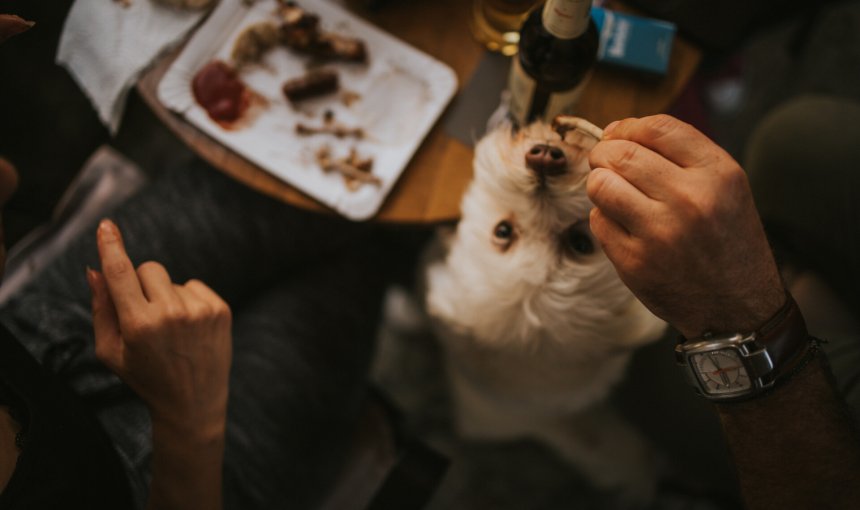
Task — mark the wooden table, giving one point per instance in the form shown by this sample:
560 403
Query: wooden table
430 188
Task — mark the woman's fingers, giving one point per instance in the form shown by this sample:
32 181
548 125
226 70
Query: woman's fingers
119 274
11 24
156 284
203 292
105 322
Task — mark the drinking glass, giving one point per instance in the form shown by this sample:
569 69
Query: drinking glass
496 23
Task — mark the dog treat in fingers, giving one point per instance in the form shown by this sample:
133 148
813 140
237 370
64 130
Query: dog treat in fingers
564 123
315 83
254 42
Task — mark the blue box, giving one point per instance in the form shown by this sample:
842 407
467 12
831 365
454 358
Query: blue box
633 42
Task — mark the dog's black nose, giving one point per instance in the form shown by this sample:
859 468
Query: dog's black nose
546 160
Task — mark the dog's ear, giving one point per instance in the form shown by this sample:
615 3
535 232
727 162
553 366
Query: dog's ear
445 234
441 288
500 119
437 249
442 292
503 124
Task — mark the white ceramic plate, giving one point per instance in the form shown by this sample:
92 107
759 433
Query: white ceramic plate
401 91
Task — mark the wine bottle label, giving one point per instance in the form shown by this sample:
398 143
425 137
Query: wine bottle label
566 19
523 89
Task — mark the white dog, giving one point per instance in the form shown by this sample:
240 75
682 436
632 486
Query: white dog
537 326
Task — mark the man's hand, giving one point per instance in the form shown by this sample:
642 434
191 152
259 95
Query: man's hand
170 343
675 215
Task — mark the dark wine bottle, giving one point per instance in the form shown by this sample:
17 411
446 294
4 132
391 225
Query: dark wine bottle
557 50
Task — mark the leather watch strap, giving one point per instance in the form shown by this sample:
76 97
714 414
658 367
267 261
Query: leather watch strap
785 337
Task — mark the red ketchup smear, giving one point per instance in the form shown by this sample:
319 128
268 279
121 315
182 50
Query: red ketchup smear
218 89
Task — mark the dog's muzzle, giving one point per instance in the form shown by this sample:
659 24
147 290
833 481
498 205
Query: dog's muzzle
546 161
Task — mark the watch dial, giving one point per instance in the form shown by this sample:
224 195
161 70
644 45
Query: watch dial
721 371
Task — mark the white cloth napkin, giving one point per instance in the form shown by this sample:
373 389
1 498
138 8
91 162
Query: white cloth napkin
106 47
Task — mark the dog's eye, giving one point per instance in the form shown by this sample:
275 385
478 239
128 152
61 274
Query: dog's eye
578 241
503 234
504 230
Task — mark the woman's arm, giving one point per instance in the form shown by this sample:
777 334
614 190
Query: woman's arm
172 345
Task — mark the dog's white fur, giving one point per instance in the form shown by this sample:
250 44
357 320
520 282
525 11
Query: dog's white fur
537 334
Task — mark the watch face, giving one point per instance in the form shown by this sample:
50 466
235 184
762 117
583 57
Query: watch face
721 371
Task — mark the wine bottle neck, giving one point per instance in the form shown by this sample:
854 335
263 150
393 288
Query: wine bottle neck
566 19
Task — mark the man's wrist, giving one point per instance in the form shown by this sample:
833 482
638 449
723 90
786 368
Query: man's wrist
735 314
743 365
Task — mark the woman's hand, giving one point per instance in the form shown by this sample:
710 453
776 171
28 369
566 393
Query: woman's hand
170 343
12 25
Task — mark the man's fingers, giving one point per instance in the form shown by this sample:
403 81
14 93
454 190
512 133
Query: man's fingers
105 322
673 139
156 283
648 171
117 270
612 236
619 200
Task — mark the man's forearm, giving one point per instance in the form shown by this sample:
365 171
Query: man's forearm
186 468
796 447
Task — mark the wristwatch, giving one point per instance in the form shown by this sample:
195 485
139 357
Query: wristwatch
741 366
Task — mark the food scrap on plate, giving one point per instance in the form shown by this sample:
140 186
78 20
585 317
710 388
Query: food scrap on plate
185 4
218 89
331 127
305 92
301 32
316 82
254 42
298 30
355 169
